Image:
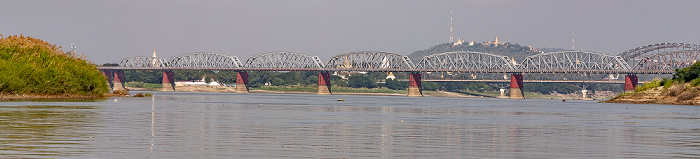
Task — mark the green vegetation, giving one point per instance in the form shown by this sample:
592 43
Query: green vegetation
364 90
32 66
334 89
149 86
514 51
361 81
691 74
287 88
653 84
688 73
681 89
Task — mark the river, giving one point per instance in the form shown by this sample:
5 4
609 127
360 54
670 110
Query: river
227 125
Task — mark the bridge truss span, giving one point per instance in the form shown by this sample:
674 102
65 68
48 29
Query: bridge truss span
466 61
574 61
649 50
205 60
285 60
370 60
143 61
669 61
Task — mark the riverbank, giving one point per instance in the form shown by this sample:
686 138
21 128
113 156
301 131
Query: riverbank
680 94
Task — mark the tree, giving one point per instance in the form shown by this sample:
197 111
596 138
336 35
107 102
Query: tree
226 76
361 81
277 81
395 84
430 86
145 76
688 73
338 81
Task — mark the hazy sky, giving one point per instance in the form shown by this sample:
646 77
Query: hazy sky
109 31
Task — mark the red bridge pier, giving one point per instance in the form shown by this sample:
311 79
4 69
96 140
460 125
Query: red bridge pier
108 75
630 83
516 86
168 81
414 85
242 82
118 83
324 83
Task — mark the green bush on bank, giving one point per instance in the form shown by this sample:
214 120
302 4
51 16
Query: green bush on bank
32 66
653 84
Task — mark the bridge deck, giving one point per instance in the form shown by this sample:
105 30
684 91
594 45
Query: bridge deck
398 70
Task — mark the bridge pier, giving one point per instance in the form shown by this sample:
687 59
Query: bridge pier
324 83
414 85
516 86
118 81
503 93
168 81
242 82
108 75
586 95
630 83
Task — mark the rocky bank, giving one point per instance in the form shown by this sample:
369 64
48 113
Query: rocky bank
680 94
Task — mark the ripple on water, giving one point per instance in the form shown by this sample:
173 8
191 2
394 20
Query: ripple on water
222 125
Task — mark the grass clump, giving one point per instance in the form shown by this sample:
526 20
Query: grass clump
149 86
32 66
653 84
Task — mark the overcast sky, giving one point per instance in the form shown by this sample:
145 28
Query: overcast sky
109 31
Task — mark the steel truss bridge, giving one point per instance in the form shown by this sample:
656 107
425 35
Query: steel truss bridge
662 58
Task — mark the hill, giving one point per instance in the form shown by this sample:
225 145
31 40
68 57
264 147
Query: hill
514 51
30 66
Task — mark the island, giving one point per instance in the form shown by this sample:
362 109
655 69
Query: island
33 68
682 89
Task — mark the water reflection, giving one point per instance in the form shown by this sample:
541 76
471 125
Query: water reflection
210 125
34 131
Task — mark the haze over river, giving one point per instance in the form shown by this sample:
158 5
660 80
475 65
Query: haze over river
227 125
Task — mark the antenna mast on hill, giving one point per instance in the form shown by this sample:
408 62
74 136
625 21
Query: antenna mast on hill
451 40
573 43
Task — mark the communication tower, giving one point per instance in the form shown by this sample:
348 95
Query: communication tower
451 39
573 44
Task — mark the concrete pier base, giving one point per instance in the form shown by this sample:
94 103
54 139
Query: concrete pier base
516 86
168 81
242 82
414 85
630 83
119 82
324 83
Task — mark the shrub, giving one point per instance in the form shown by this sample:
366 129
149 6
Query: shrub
653 84
32 66
688 73
695 82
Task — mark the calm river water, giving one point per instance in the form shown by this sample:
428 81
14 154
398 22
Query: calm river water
221 125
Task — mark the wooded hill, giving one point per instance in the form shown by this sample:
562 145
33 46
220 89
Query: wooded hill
514 51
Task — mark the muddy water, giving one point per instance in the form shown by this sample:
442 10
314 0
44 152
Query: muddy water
226 125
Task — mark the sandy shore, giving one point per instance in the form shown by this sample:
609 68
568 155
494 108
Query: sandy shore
657 95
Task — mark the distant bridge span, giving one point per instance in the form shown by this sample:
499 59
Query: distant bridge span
653 59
